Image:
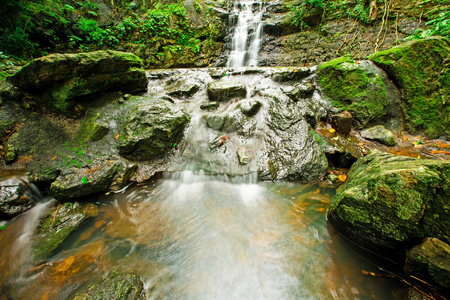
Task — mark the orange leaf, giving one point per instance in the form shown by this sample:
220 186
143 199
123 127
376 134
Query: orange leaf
342 177
440 152
117 137
54 157
23 197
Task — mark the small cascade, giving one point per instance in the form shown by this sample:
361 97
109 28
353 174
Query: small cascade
247 34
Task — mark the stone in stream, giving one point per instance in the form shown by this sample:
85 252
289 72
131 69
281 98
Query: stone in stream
209 106
342 122
115 286
57 224
101 175
56 79
183 87
16 197
226 89
244 155
430 261
380 134
390 203
10 153
250 108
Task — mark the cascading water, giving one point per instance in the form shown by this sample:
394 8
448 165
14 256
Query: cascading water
246 38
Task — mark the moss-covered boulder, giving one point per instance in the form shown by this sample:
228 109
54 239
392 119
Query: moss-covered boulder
58 78
430 261
152 129
358 87
115 286
380 134
99 176
57 224
390 203
422 71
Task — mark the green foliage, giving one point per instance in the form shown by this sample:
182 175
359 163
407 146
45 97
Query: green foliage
439 26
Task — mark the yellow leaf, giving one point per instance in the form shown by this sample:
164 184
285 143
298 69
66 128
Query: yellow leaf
332 130
342 177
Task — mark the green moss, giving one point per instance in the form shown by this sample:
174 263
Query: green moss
419 69
351 87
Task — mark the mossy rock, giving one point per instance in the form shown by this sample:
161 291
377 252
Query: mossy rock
58 78
356 87
57 224
390 203
422 70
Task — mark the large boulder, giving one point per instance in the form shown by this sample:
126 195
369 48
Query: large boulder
421 70
99 176
361 88
390 203
430 261
226 89
152 129
58 78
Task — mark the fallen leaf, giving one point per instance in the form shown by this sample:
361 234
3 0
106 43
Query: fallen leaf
54 157
440 152
117 136
342 177
332 130
23 197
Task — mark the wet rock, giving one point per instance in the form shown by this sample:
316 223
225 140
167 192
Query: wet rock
16 197
58 78
290 74
302 90
209 106
57 224
412 66
358 87
286 138
218 73
390 203
380 134
226 89
250 108
215 121
150 130
342 122
10 153
244 156
94 128
115 286
101 175
183 88
430 261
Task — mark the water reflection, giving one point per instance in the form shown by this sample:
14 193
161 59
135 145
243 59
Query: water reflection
192 237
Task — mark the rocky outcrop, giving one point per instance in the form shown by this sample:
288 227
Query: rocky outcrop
151 129
58 78
360 88
99 176
115 286
421 70
430 261
390 203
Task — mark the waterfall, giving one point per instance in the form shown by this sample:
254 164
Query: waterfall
247 34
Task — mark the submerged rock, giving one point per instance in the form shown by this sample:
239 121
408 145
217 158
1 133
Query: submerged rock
420 69
380 134
100 176
430 261
58 78
57 224
250 108
115 286
152 129
390 203
226 89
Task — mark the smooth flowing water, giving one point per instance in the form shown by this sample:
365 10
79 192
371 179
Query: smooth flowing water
247 34
193 236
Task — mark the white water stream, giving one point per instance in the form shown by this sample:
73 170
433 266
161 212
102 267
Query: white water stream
247 34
